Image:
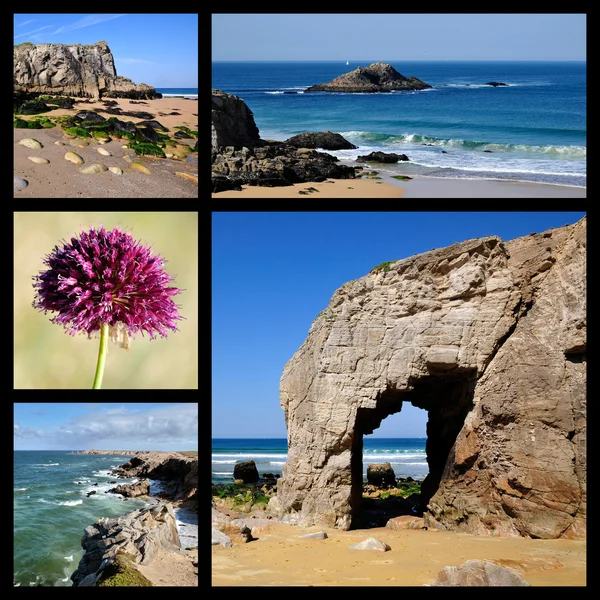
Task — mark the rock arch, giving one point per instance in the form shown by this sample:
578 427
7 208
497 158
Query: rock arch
489 337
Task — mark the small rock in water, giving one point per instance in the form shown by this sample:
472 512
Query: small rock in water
74 158
116 171
20 184
104 152
39 160
138 166
94 168
31 143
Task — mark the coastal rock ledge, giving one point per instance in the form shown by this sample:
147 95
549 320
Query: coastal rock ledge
139 534
487 336
378 77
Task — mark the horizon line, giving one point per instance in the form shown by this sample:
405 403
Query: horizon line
412 60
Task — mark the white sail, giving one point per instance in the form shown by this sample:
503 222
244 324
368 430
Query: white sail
347 63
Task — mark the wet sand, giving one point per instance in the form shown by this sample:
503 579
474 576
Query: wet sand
280 558
63 179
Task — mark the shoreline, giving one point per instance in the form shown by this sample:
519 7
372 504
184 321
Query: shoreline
418 187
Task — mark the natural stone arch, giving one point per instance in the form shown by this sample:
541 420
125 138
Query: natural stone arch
499 329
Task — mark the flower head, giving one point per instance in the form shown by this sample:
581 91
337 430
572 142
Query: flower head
107 277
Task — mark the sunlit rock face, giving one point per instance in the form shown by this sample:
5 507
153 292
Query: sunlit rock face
73 70
490 338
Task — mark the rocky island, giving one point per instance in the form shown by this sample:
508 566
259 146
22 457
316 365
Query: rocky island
378 77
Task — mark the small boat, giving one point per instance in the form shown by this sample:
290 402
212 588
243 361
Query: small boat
347 63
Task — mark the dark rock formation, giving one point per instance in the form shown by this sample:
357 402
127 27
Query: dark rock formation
490 338
73 70
381 475
239 154
496 84
232 122
246 471
132 490
325 140
139 534
378 77
178 472
383 157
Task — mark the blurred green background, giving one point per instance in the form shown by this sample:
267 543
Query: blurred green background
48 358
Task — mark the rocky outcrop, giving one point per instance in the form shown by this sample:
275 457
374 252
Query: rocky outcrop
381 475
246 471
382 157
378 77
490 338
232 122
239 157
326 140
132 490
178 472
73 70
478 573
496 84
139 534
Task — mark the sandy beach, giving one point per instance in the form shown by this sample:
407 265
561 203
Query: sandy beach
281 558
422 187
63 179
172 569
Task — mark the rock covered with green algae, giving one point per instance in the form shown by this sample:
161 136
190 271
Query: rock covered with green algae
122 573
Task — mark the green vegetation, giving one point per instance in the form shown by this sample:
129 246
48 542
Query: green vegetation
147 149
401 177
43 122
240 493
78 131
20 124
170 143
384 266
101 135
122 573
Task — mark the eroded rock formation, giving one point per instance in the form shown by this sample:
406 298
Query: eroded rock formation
73 70
378 77
489 337
139 534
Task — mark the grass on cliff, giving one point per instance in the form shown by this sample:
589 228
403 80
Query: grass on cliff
122 573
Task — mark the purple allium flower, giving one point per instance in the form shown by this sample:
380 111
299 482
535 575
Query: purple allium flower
107 277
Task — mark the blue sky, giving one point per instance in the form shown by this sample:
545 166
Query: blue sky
354 37
272 273
105 426
160 50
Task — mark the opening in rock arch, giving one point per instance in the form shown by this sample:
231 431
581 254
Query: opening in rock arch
448 398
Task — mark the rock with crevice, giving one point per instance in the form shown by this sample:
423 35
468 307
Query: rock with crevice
488 337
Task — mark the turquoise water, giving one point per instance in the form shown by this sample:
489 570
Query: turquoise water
51 511
406 455
532 130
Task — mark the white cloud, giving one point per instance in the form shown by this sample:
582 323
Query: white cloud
135 60
87 21
26 22
34 31
26 432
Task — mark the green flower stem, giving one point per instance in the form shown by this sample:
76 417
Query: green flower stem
101 357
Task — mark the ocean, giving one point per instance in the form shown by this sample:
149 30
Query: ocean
186 92
51 511
406 455
534 129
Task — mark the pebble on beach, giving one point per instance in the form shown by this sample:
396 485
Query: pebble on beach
142 168
39 160
104 152
20 184
31 143
115 170
74 158
59 143
189 176
94 168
